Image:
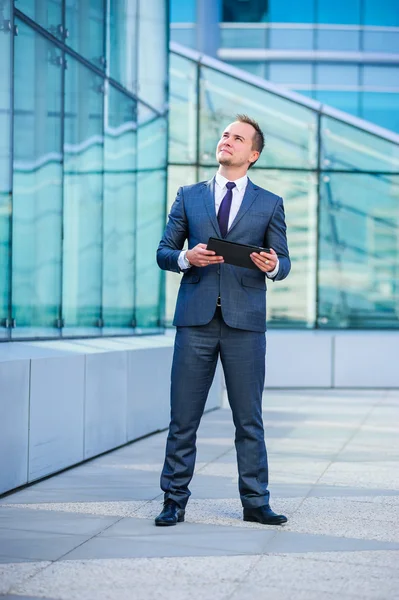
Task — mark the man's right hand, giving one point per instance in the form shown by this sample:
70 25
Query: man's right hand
199 256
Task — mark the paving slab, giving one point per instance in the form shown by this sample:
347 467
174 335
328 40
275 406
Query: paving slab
89 532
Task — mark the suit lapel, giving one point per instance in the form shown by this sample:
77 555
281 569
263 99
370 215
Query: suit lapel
209 199
250 194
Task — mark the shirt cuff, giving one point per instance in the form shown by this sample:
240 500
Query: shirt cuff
273 273
182 261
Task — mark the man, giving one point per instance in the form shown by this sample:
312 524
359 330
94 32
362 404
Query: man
221 310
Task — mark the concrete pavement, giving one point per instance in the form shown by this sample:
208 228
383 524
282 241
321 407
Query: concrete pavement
88 533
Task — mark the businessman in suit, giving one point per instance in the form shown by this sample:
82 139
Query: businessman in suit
221 311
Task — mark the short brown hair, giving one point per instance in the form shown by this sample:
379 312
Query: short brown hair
259 138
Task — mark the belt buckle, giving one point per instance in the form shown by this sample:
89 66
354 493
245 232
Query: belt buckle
218 303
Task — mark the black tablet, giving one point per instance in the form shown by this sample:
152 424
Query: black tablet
235 254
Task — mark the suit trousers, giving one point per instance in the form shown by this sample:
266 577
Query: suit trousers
196 353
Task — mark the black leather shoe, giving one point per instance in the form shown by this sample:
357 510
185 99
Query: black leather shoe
264 515
171 514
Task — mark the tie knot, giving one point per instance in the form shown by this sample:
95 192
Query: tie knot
230 185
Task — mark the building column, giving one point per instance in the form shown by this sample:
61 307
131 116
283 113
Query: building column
209 14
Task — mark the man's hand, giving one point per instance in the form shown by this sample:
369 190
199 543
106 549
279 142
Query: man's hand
265 261
199 256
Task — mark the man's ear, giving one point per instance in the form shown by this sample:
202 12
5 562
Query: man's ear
255 156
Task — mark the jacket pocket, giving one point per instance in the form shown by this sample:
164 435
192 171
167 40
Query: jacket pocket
190 279
253 283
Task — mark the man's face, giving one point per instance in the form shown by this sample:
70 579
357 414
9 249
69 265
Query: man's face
234 148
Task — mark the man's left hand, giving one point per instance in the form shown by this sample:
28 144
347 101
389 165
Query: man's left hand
265 261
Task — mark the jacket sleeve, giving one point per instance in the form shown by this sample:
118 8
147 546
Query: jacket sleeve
276 238
175 234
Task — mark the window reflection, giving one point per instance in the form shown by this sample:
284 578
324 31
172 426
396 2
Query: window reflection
183 110
47 13
359 251
83 195
123 42
85 25
5 178
37 202
151 189
119 211
152 60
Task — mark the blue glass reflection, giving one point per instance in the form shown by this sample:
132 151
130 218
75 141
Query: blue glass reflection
291 11
384 13
183 11
5 169
37 184
346 101
381 108
341 12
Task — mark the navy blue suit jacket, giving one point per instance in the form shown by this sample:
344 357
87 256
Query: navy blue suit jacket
260 222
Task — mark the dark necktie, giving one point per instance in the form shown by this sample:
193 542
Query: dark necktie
224 209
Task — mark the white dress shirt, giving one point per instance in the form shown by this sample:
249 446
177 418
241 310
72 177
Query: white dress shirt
220 192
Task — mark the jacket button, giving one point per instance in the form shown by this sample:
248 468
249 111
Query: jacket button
218 271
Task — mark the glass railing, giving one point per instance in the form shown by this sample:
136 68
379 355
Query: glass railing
338 175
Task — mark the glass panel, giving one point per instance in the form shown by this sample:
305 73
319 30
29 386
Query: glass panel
382 109
119 210
348 148
153 53
152 148
85 23
186 36
329 74
183 11
244 12
338 39
243 37
348 102
291 73
83 194
37 186
183 110
47 13
292 303
290 129
177 176
122 46
381 13
254 67
5 166
291 11
151 199
380 75
359 251
291 38
381 41
341 12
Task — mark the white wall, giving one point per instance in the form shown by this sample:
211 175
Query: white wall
62 402
337 359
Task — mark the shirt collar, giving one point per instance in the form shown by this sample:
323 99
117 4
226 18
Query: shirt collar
240 183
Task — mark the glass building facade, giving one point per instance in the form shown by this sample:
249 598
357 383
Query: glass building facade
345 54
83 165
339 178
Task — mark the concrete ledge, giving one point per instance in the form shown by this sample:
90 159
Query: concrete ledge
332 359
298 359
366 359
64 401
14 423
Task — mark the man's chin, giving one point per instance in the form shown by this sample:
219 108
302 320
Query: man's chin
224 160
